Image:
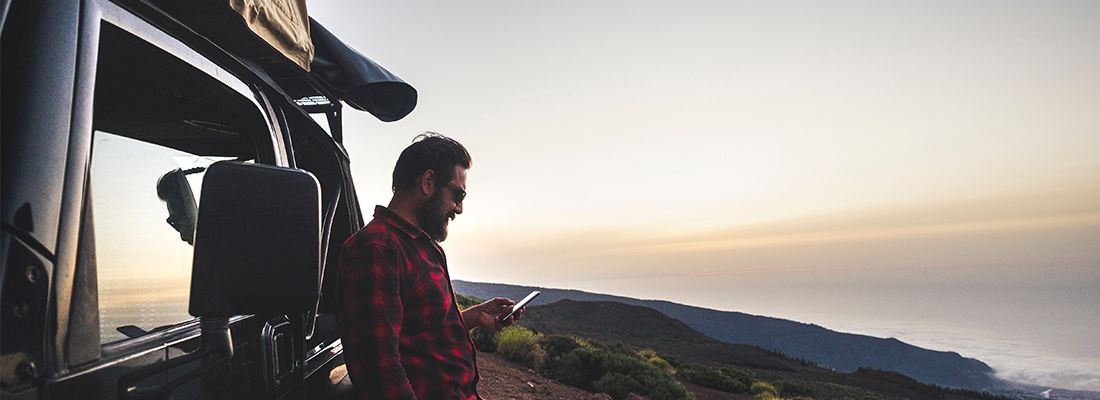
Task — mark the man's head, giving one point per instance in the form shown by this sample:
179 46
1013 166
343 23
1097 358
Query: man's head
431 173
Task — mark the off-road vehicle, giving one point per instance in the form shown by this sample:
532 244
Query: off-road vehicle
175 195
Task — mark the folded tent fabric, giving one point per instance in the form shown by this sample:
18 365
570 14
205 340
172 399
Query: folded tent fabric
358 81
281 23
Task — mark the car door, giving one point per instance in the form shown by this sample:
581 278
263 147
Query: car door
161 112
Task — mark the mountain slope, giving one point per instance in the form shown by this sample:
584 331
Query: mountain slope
644 328
840 351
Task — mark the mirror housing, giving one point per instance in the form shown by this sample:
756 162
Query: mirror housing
257 241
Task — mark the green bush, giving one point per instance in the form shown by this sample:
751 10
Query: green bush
764 391
651 356
663 365
520 345
742 377
616 370
790 389
558 345
485 340
578 367
713 378
617 385
465 302
675 363
619 348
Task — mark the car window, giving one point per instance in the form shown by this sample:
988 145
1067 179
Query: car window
144 232
158 123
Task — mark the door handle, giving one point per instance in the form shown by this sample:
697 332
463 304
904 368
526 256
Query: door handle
278 347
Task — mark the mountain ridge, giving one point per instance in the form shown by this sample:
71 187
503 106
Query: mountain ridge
840 351
644 327
640 329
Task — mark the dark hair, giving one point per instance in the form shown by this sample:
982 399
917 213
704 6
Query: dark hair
429 151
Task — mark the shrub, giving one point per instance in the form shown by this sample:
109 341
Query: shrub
578 367
742 377
651 356
663 365
485 340
764 391
617 385
675 363
558 345
619 348
789 389
520 345
611 370
465 302
713 378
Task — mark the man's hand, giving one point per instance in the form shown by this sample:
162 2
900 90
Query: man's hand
488 314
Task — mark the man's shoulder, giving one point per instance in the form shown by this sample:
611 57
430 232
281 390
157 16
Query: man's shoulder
377 232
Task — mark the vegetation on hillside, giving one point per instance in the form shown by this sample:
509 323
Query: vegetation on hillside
649 353
616 370
829 349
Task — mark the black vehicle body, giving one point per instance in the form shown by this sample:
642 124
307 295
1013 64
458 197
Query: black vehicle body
93 88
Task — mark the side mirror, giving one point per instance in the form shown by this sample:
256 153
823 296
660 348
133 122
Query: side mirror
257 243
173 190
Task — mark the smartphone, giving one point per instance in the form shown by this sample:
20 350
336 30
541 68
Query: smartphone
522 303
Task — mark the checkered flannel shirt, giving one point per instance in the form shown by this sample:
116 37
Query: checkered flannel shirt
402 333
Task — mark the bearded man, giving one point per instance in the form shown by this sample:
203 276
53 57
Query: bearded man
403 334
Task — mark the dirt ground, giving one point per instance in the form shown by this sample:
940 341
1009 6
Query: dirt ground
702 393
505 380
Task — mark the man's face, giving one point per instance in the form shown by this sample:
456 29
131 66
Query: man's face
439 209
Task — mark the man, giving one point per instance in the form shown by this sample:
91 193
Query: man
402 332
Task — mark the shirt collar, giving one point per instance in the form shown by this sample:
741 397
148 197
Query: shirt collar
388 216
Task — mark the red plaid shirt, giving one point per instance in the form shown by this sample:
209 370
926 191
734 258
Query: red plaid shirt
403 335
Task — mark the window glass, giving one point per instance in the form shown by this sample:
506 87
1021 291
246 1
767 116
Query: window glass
143 232
158 123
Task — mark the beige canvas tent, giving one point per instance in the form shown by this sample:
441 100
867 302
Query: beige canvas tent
284 24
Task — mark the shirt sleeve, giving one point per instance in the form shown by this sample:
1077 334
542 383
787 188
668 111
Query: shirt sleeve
373 311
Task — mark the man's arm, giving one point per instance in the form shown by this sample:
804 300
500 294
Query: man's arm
373 312
488 314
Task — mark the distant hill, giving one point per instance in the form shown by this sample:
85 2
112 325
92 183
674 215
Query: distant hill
641 327
840 351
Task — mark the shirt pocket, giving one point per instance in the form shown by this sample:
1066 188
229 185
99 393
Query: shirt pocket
428 307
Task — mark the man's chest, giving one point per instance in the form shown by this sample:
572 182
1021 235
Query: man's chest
429 301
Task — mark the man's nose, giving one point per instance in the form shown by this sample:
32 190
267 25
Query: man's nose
458 208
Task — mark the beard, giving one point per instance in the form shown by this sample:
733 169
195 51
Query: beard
432 219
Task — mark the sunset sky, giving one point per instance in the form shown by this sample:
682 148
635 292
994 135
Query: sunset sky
924 170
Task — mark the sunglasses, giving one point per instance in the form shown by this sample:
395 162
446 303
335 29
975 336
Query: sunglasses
459 193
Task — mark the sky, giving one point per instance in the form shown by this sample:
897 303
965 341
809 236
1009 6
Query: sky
928 171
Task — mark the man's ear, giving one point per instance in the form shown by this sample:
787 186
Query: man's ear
427 182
